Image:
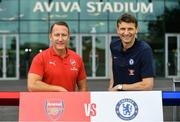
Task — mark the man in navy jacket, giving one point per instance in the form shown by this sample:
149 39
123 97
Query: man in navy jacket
132 59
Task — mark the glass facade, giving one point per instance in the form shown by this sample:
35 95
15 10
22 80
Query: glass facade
92 25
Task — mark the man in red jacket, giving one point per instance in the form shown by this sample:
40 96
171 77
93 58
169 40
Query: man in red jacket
57 68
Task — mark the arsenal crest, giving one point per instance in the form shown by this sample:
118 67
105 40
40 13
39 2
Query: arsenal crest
73 64
54 109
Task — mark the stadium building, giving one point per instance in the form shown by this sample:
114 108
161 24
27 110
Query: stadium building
25 24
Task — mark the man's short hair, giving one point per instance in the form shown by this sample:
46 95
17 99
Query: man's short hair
59 23
128 18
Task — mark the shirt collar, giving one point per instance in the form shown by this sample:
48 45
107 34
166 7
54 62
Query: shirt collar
54 53
121 46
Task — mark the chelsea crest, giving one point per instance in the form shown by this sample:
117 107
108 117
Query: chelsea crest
126 109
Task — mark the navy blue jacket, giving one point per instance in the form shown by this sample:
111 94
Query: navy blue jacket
132 65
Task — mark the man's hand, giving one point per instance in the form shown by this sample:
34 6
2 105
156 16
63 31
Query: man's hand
115 88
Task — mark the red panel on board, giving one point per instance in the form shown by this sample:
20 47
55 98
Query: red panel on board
53 106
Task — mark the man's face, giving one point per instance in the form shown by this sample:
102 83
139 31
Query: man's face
127 32
59 37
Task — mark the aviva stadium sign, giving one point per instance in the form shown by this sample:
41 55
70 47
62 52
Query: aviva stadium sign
94 7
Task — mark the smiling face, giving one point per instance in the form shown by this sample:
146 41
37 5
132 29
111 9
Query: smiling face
59 37
127 32
127 26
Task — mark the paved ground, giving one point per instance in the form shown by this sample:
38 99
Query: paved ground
10 113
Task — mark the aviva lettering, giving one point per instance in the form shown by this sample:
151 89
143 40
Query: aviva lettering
92 7
57 7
